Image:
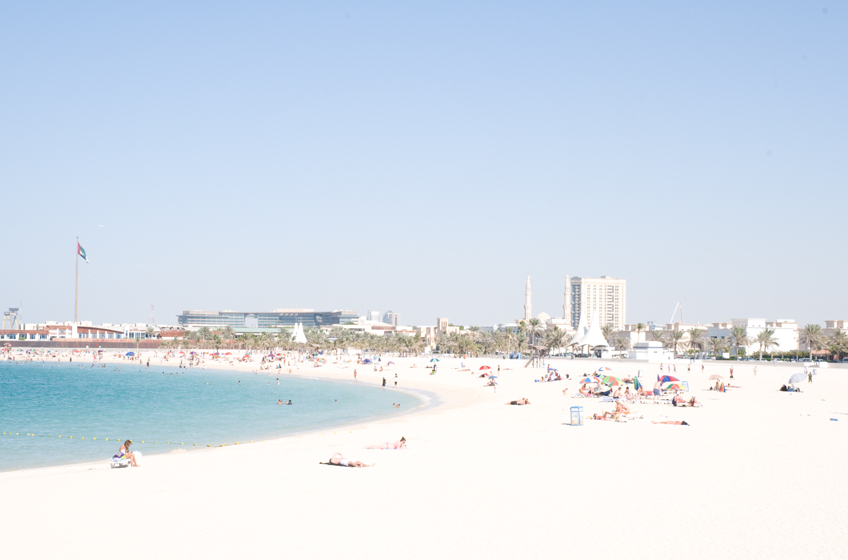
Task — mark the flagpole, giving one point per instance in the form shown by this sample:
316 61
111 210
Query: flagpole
76 284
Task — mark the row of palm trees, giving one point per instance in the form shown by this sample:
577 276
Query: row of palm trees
696 339
529 335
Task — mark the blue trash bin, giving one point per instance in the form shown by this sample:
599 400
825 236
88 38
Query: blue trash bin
576 415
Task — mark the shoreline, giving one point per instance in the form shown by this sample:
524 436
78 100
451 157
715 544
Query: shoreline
426 400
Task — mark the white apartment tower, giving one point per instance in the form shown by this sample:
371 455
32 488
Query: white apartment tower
606 295
528 307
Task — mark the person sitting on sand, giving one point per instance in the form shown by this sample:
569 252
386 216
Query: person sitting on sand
519 402
621 408
617 393
672 422
124 453
606 416
628 396
337 459
399 444
585 391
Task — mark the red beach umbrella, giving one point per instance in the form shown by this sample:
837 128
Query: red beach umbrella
485 367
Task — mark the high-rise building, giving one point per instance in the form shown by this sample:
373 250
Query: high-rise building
391 318
528 307
606 295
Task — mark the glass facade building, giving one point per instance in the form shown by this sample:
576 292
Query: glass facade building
266 319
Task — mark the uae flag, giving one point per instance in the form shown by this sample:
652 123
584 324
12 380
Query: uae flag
81 252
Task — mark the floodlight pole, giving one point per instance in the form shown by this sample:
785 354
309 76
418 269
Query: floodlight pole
76 283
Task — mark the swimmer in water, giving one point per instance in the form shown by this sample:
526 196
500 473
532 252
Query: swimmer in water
280 401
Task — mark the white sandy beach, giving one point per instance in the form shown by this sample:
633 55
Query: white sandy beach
759 473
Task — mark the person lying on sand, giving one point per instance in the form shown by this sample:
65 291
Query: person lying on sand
606 416
519 402
399 444
672 422
337 459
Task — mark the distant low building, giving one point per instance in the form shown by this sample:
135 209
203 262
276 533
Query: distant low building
309 318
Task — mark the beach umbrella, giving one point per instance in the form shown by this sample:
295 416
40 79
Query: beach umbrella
485 367
130 353
604 369
715 377
587 380
610 380
797 378
366 361
636 384
555 370
390 364
668 379
674 387
434 359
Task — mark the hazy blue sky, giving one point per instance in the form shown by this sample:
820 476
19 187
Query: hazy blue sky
424 157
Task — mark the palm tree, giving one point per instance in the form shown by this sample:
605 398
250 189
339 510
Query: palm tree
739 337
534 325
150 331
622 342
659 336
608 331
766 340
696 338
639 328
839 343
228 334
812 336
676 335
554 339
216 342
717 346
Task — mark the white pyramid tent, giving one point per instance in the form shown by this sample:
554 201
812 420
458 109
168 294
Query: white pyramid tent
298 334
581 326
594 336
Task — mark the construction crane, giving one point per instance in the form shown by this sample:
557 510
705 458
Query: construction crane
676 307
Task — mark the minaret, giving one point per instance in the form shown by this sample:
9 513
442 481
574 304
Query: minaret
566 304
528 307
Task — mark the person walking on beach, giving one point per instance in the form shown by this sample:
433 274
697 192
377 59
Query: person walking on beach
384 383
657 387
395 381
702 368
354 374
755 371
809 377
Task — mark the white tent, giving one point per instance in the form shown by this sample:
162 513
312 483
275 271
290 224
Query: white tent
581 326
593 337
298 335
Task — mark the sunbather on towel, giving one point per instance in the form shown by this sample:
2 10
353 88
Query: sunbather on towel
399 444
672 422
337 459
519 402
678 400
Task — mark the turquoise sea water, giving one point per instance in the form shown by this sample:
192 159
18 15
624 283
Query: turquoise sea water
183 406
